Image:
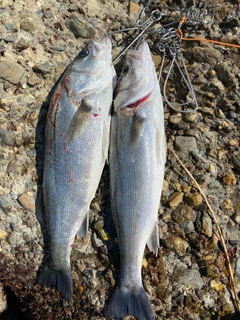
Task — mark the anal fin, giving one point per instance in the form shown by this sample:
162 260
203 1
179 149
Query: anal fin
79 121
82 231
153 241
106 140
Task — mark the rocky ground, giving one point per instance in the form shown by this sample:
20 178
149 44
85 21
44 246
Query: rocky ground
189 279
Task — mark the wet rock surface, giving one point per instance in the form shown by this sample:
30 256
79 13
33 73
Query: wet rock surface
189 279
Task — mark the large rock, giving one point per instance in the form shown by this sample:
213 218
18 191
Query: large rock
11 71
80 28
188 277
185 144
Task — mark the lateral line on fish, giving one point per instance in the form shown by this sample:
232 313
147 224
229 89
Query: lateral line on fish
137 103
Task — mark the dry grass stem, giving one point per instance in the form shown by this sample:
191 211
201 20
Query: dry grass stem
219 232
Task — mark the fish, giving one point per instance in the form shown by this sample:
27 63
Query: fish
137 160
77 143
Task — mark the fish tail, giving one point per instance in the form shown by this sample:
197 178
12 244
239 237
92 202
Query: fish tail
59 279
127 301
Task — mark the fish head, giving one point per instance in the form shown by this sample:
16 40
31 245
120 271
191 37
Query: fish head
137 81
95 56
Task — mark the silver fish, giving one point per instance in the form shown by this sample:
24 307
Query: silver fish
77 143
137 160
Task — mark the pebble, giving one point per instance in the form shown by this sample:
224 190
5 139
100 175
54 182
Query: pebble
133 7
27 200
11 71
207 54
217 86
183 213
211 73
206 110
188 227
227 205
212 270
165 185
34 80
7 137
233 142
175 118
190 117
212 168
229 179
57 48
188 277
22 44
215 185
3 234
216 285
175 199
219 114
99 224
193 199
204 224
27 24
80 28
15 239
185 144
43 68
9 37
180 245
224 74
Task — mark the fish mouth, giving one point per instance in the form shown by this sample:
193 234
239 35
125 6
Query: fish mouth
141 56
100 45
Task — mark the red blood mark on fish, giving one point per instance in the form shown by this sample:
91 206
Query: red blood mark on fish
55 100
68 172
137 103
51 144
96 115
67 85
70 180
65 147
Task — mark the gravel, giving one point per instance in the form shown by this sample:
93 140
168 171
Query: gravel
189 280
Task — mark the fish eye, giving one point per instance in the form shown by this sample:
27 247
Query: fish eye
84 53
125 69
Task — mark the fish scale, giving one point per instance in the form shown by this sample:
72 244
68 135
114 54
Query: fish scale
137 160
76 150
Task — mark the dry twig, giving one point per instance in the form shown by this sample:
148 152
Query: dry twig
219 232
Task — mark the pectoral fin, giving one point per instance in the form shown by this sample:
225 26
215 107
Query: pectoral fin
82 232
136 132
79 121
153 241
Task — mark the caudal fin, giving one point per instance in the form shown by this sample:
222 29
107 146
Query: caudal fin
59 279
130 302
